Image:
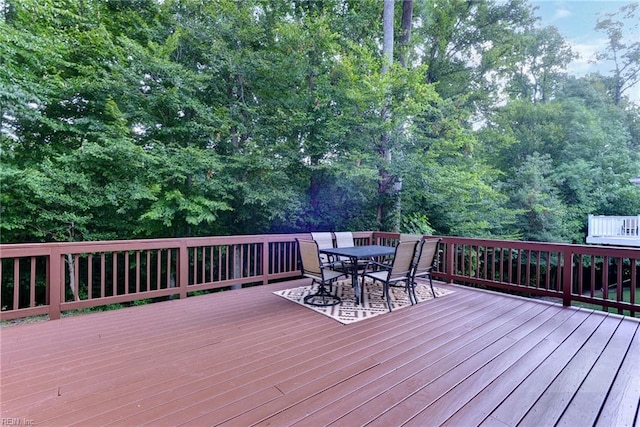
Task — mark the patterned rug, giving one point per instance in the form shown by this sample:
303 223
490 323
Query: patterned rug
374 304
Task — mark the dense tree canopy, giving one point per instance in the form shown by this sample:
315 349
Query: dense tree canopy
147 118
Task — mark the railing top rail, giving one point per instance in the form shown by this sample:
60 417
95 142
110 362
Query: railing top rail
596 250
38 249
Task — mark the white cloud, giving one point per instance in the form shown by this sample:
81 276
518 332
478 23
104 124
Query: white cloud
587 51
561 14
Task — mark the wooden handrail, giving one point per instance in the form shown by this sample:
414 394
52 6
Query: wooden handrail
37 278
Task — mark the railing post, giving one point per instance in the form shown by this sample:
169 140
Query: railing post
449 262
567 276
183 269
56 283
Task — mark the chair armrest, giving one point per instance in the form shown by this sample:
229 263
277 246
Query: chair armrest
330 264
379 265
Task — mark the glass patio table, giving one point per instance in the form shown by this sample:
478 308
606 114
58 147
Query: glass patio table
354 253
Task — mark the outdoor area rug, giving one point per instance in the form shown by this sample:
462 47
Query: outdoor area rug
374 304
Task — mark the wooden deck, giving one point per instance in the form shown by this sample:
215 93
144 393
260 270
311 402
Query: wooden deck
248 357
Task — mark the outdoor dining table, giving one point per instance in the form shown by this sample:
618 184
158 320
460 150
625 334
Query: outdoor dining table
354 253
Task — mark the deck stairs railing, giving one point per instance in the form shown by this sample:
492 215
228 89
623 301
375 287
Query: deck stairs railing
614 230
52 278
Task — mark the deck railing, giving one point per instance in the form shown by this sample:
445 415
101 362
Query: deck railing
50 278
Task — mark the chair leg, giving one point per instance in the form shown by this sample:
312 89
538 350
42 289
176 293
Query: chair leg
431 283
411 290
387 292
326 297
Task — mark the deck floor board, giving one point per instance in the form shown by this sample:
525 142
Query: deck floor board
249 357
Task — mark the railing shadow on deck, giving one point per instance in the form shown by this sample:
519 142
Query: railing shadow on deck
51 278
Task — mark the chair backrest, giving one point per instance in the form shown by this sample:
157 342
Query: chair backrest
403 259
310 257
323 239
412 237
426 255
344 239
406 237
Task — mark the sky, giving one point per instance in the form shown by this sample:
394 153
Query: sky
576 21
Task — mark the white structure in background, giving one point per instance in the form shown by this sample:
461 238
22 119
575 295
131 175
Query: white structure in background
614 230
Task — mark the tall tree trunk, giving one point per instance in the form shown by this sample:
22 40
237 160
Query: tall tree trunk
387 31
384 178
389 186
403 56
405 35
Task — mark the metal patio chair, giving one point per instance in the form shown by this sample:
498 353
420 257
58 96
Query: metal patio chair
424 264
392 274
320 273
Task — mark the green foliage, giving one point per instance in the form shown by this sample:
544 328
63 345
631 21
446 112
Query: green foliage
134 119
532 191
416 224
566 159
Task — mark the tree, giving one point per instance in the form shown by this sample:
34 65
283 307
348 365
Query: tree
147 119
533 192
623 48
464 43
538 66
583 146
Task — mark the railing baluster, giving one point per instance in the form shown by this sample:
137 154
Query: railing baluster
90 276
126 272
605 278
619 282
538 262
485 251
169 269
102 275
634 284
183 268
593 275
579 264
147 281
220 262
114 273
493 263
527 273
518 267
32 283
158 269
195 266
16 283
211 264
204 264
547 278
137 271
